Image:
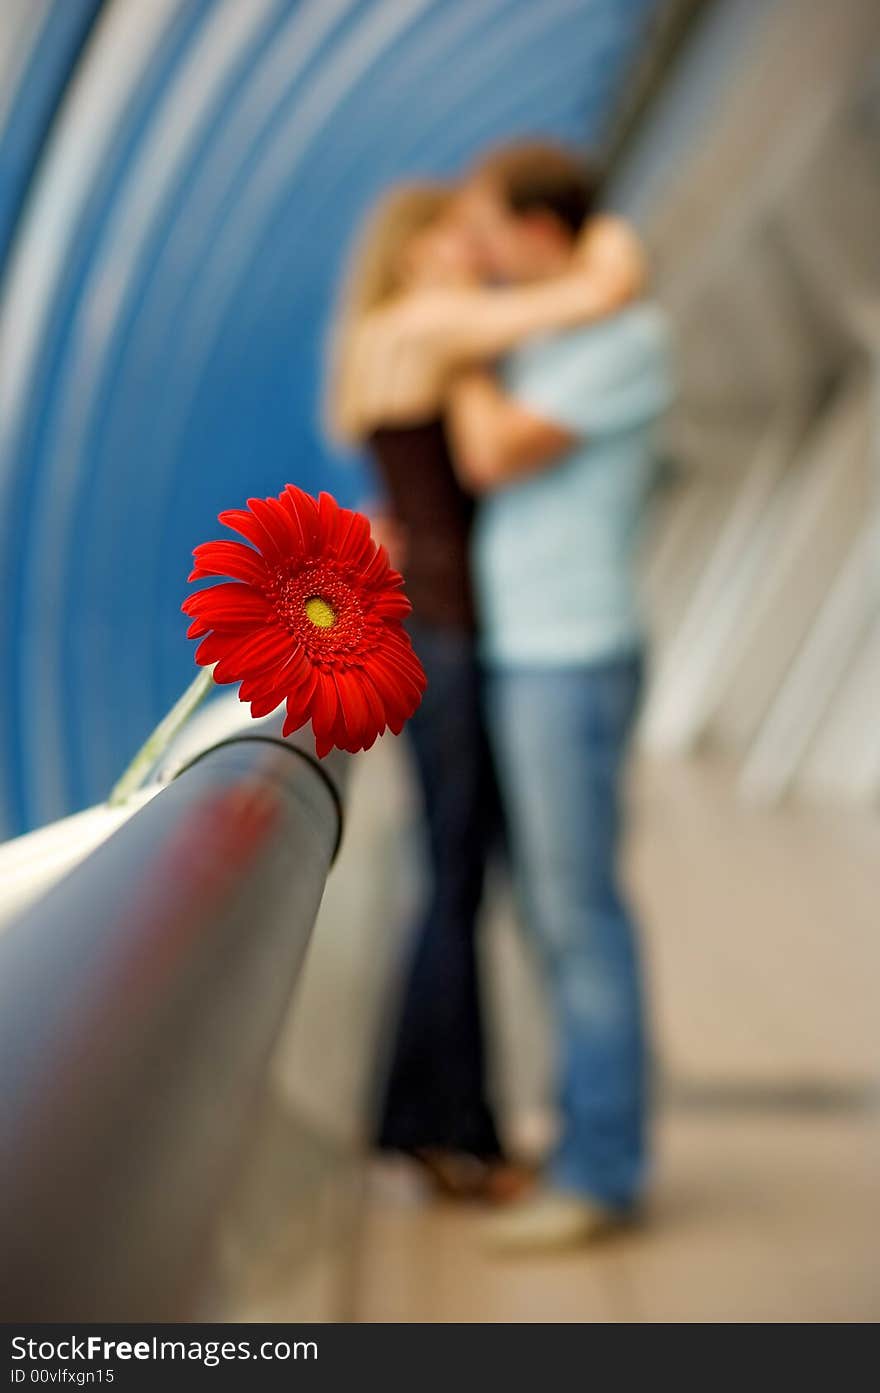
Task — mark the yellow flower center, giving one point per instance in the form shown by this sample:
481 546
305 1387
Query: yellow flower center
321 614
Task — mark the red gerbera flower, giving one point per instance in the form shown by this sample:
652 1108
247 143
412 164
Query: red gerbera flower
311 616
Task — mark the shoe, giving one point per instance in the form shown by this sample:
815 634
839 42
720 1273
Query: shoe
507 1182
548 1220
454 1175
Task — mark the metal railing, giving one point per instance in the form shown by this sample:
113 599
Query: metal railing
140 1000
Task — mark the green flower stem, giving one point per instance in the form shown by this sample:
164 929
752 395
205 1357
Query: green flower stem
157 743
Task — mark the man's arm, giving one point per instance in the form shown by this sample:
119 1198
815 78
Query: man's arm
494 438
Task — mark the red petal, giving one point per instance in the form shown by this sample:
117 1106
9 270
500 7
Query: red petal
229 559
339 737
256 652
213 648
328 520
264 706
229 605
295 719
391 604
377 719
278 524
325 705
397 651
397 704
353 541
303 509
379 571
240 520
288 675
355 709
299 705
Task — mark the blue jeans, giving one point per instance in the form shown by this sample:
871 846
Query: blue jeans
435 1094
561 737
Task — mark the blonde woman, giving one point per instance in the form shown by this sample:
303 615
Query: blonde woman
413 315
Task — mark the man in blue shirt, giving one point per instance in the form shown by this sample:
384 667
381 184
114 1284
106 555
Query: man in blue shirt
560 443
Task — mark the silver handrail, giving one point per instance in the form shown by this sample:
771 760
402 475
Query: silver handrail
139 1003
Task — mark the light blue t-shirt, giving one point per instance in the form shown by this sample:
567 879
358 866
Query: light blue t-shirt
554 563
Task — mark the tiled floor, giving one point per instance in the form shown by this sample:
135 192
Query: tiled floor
755 1217
763 934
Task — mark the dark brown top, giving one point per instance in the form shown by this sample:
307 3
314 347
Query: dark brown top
436 514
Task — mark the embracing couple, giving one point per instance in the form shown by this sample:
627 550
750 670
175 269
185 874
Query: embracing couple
497 357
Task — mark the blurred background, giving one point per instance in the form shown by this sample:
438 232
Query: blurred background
179 184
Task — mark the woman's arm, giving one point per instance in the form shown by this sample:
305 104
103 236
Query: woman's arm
396 367
385 376
466 324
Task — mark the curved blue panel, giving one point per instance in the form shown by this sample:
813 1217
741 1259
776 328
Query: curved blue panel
46 72
177 365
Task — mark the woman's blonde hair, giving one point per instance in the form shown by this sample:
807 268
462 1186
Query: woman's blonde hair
372 278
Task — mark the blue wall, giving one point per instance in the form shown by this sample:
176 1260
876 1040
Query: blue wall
174 367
